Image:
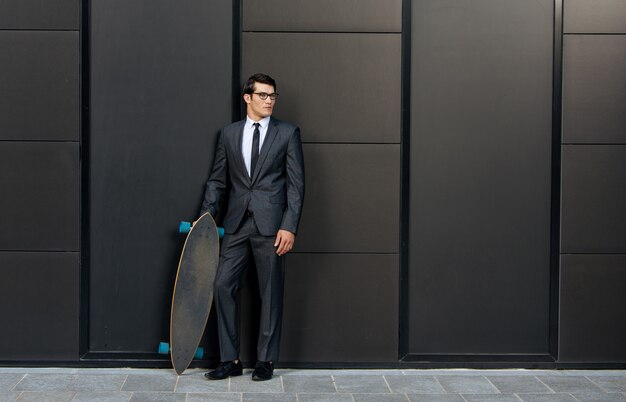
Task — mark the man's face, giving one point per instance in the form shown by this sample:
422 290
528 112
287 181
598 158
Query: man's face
258 108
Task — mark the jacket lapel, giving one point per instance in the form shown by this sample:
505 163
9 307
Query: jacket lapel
270 136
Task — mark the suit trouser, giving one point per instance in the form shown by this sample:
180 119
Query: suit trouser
235 253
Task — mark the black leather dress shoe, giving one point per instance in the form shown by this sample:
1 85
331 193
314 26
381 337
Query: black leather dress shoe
225 370
263 371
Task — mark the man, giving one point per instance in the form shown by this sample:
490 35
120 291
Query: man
259 169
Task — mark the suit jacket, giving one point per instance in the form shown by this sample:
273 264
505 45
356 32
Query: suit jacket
274 193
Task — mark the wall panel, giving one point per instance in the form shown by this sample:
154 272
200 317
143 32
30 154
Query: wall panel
351 204
39 83
598 16
594 89
40 196
337 87
160 91
39 306
341 308
593 199
592 318
40 14
480 172
323 15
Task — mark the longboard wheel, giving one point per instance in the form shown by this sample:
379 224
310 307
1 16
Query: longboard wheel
164 348
184 227
199 353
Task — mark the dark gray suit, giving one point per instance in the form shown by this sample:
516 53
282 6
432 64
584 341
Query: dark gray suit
258 207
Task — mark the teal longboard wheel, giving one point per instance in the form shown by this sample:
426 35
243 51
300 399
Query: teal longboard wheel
164 349
185 227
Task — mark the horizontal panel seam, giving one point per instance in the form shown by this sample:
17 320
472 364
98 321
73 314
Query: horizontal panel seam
37 30
595 33
42 141
329 32
350 143
594 143
599 254
41 251
343 253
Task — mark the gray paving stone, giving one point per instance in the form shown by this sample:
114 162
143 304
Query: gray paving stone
149 383
611 383
157 397
102 396
8 381
380 398
301 383
467 385
126 371
8 396
34 370
593 373
71 382
361 384
414 384
244 383
518 384
328 397
336 372
46 396
265 397
436 398
600 397
558 397
214 397
198 383
570 384
491 398
46 382
94 382
480 373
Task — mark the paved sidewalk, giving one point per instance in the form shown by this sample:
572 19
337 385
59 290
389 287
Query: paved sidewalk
65 384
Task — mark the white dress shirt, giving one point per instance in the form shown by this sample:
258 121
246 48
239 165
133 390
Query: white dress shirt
248 133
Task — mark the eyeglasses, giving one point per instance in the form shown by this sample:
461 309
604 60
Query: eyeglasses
264 95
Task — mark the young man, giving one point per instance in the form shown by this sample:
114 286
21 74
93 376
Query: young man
259 169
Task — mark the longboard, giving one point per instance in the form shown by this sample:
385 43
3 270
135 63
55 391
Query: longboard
193 291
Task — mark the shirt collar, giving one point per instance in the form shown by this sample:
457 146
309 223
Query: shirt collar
264 122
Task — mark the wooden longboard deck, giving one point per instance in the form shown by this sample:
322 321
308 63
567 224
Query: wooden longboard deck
193 291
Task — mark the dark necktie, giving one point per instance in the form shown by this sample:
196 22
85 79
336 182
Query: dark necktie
254 156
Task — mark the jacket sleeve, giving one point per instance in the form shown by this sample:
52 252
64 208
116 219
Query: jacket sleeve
294 183
218 181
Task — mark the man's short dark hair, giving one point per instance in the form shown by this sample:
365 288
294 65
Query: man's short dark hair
248 88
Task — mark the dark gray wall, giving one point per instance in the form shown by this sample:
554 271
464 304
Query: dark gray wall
593 217
160 91
478 167
39 178
481 98
343 89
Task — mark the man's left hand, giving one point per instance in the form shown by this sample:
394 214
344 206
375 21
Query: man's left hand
284 241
